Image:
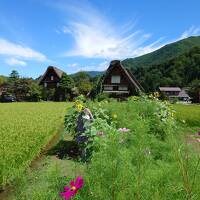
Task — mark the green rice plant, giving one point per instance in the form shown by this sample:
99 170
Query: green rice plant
25 129
188 114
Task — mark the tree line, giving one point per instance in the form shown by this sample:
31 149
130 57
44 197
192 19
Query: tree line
28 89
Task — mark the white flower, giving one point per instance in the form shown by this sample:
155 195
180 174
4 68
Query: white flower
86 117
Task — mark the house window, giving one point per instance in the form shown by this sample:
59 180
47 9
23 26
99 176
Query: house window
51 78
45 84
124 88
115 79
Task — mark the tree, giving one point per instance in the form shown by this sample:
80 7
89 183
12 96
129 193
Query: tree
84 87
80 76
66 86
14 75
2 80
194 91
34 92
13 83
48 94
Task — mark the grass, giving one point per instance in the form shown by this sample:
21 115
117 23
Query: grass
47 180
26 128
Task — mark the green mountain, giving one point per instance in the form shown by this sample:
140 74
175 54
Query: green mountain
90 73
163 54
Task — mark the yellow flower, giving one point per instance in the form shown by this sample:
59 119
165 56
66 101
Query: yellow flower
79 107
156 94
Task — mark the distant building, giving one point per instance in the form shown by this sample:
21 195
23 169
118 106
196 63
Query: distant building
175 93
119 80
51 78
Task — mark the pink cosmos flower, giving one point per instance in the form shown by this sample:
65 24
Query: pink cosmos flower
198 133
73 189
123 130
198 140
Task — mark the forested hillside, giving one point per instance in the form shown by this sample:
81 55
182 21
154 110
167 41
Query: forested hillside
163 54
182 71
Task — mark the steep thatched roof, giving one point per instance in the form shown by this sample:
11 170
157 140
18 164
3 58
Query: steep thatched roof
59 73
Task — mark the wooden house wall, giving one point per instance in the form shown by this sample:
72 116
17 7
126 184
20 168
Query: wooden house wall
116 71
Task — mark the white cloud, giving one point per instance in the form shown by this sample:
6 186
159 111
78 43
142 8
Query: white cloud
192 31
8 48
14 61
95 37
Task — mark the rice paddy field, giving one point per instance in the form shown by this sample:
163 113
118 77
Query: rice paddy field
188 114
25 129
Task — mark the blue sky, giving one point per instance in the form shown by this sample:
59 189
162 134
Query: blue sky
79 35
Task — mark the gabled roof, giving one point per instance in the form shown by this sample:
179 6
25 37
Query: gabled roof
59 73
170 89
130 76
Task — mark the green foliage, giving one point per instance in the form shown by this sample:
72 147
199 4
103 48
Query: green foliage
48 94
103 97
66 86
80 76
97 87
24 89
84 82
194 91
66 82
34 92
84 87
3 79
14 75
